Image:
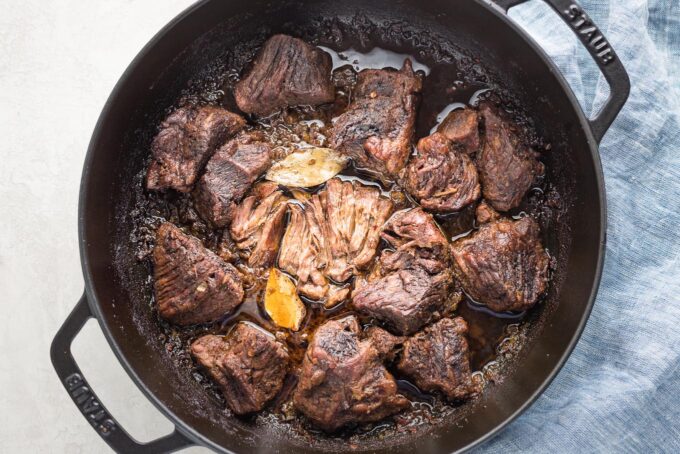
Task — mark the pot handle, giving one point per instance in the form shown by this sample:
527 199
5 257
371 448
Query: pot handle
601 51
87 401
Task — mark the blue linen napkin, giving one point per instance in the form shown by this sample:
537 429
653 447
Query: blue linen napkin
620 389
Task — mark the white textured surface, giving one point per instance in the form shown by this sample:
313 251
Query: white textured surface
59 61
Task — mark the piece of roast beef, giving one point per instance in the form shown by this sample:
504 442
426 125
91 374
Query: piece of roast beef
377 128
411 286
507 167
485 213
331 236
258 225
249 365
437 359
387 344
440 177
185 142
286 72
503 265
228 177
461 126
191 283
342 379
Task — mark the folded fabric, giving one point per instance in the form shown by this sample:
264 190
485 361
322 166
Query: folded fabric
620 389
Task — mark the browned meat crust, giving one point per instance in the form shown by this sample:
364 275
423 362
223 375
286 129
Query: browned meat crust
503 265
331 236
507 168
249 366
440 177
286 72
387 344
191 283
437 360
343 381
461 127
377 128
258 225
227 178
185 142
411 285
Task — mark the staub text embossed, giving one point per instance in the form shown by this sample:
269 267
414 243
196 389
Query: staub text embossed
89 405
589 34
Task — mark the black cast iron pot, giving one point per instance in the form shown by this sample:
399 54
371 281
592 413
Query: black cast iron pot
117 296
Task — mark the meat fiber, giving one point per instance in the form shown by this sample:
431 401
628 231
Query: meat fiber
191 283
331 236
286 72
258 225
185 142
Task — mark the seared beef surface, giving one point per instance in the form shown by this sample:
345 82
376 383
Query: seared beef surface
378 126
185 142
331 236
228 176
442 178
249 366
437 359
191 283
258 225
286 72
503 265
342 379
507 167
461 126
411 285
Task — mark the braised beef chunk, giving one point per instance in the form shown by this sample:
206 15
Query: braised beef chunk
485 213
258 225
377 128
507 167
440 177
286 72
331 236
461 126
387 344
228 176
342 379
411 285
185 142
437 359
503 265
249 366
191 283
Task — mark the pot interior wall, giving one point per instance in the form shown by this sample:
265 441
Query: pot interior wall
198 49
